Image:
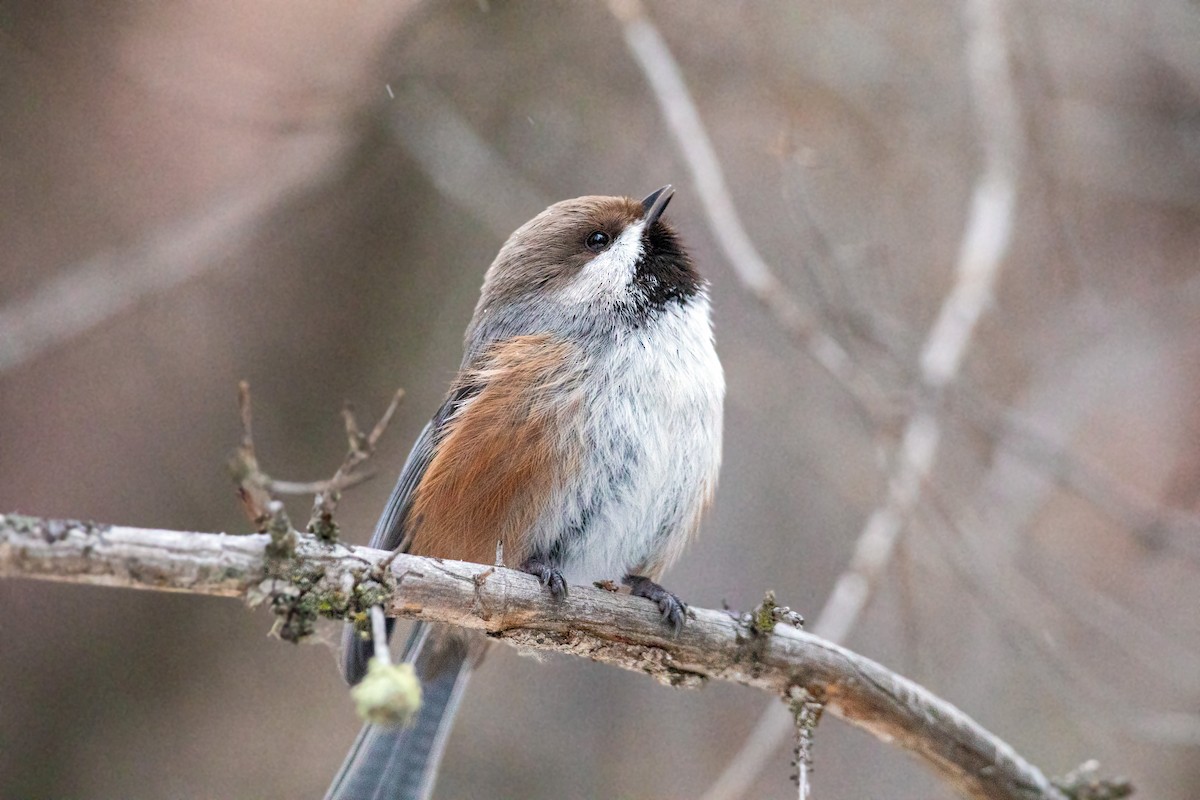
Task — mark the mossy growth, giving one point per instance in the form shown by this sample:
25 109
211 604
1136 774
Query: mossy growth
763 620
283 536
303 596
389 694
324 528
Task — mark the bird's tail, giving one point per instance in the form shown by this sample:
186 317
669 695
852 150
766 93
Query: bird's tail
400 763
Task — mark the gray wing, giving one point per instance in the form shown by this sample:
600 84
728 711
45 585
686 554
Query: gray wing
391 528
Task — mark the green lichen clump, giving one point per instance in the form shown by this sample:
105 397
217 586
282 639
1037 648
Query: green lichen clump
297 616
390 694
366 594
324 528
303 598
763 621
283 536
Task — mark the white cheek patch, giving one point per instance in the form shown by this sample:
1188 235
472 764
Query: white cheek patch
608 275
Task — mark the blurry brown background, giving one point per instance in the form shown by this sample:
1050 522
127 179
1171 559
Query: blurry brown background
306 194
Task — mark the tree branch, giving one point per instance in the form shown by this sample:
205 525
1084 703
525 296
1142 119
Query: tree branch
510 606
82 296
679 111
982 252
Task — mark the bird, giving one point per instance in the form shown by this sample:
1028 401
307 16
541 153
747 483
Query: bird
580 438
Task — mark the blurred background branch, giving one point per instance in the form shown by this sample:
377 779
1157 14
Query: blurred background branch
984 245
83 296
321 189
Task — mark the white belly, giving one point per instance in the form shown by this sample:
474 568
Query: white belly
652 449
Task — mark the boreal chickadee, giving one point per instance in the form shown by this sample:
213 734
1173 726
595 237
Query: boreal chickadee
582 433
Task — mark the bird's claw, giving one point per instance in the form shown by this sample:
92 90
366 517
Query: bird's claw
551 577
673 610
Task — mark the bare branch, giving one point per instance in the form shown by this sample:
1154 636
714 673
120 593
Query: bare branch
278 486
984 246
806 714
253 485
1153 524
511 607
360 447
458 160
983 249
256 488
662 72
82 296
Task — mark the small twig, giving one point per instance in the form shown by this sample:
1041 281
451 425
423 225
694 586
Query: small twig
1029 621
1154 525
983 249
359 449
806 714
81 296
379 635
662 73
1083 783
257 490
252 483
298 488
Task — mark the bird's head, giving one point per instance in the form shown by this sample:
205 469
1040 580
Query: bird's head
605 259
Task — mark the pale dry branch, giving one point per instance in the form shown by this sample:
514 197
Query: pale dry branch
662 72
360 448
512 607
84 295
983 249
1032 622
458 160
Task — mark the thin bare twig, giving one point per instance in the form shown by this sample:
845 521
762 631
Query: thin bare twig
379 635
512 607
1030 622
806 713
85 295
297 488
1031 461
253 485
983 249
360 448
256 489
662 72
1153 524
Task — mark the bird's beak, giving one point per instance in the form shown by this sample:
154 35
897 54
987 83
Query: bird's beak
656 203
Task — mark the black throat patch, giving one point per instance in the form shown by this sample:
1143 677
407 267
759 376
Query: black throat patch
664 273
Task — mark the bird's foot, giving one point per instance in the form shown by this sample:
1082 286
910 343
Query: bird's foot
551 577
673 610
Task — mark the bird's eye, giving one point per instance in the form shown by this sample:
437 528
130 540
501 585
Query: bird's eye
597 241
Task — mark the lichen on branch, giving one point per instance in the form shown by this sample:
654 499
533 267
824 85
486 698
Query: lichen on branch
323 579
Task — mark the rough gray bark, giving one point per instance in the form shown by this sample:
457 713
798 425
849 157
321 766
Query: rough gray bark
510 606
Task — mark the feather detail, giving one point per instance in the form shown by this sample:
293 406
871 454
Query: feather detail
503 454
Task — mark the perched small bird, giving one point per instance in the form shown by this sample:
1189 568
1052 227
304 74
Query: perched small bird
583 433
